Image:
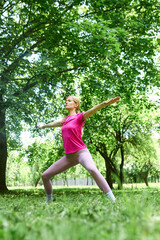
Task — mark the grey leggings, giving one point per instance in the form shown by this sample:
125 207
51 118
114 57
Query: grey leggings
83 157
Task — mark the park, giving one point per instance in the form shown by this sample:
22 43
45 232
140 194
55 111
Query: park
97 51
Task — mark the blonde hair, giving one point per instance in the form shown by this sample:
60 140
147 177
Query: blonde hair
77 101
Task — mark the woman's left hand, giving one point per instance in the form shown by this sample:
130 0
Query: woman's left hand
111 101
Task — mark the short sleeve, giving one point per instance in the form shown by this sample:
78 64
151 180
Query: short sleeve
80 117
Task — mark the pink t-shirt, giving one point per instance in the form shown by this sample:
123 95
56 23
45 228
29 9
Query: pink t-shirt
71 133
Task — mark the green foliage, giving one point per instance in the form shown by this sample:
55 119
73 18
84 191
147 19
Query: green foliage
24 168
80 214
130 121
18 171
47 45
142 161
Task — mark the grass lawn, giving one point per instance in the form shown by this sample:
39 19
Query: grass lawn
81 214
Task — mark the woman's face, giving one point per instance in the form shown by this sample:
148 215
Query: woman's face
70 104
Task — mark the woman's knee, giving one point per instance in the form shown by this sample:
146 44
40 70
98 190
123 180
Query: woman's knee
93 171
45 176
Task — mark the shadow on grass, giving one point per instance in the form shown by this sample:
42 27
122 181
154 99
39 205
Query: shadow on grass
74 191
59 191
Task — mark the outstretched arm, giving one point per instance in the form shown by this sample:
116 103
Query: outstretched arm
99 106
57 123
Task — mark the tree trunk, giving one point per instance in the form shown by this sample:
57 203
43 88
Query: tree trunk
65 179
3 147
120 185
37 181
109 164
146 179
144 175
108 173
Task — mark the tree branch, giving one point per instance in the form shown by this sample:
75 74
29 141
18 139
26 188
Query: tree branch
127 126
26 88
29 32
14 64
103 151
8 6
114 151
107 10
71 69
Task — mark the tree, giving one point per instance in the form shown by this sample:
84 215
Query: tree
51 31
46 44
116 126
40 156
142 160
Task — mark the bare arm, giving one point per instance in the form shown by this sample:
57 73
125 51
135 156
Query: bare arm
57 123
99 106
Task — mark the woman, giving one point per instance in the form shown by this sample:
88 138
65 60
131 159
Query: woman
75 149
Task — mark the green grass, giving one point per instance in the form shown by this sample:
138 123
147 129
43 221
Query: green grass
80 214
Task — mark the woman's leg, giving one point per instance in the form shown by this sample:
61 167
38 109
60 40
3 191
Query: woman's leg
85 159
59 166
